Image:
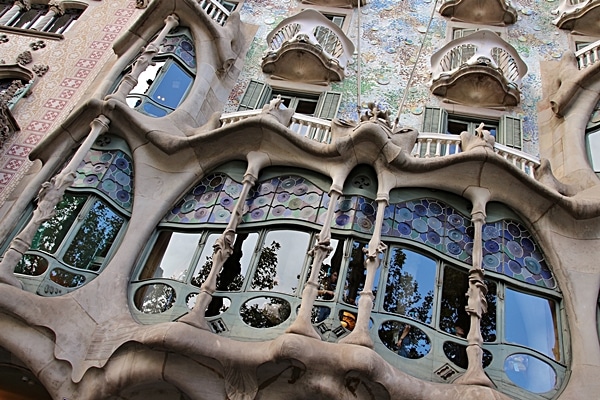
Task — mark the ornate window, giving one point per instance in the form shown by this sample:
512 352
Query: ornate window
419 308
73 247
164 85
593 139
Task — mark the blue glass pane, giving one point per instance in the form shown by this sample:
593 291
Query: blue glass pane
531 321
530 373
172 87
154 111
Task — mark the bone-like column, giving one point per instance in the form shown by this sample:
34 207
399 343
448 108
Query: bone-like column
16 9
360 334
476 302
144 60
50 194
302 325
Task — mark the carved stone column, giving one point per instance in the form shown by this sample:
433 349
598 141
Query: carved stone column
319 252
56 9
49 196
476 302
19 6
360 334
223 248
144 60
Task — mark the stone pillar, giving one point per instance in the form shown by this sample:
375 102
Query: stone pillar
302 325
18 7
360 334
476 302
223 248
49 196
144 60
56 9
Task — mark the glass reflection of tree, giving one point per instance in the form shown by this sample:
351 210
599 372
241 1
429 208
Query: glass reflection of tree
229 279
355 277
94 238
453 317
415 346
154 299
402 295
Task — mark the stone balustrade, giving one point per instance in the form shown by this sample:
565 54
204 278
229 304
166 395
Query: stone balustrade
215 10
428 145
589 55
578 16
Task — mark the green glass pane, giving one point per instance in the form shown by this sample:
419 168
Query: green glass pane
52 232
94 237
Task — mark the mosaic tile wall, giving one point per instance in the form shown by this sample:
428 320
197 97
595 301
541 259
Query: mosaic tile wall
391 34
74 63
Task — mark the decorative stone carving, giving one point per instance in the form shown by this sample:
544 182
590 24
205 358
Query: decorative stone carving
3 38
24 58
141 3
487 73
40 44
579 17
482 138
40 69
489 12
308 47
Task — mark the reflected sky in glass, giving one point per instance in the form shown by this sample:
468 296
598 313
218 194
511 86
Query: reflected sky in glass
178 256
531 321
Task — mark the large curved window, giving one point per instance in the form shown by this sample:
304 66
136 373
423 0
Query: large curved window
419 316
71 248
164 85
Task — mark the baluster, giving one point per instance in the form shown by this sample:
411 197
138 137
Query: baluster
428 148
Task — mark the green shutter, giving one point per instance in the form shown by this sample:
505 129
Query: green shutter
254 96
435 120
329 103
510 134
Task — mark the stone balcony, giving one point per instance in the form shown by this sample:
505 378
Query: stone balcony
579 16
489 12
215 10
480 70
308 48
427 145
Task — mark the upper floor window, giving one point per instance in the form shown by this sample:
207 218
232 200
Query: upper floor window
39 16
164 85
507 129
321 105
71 248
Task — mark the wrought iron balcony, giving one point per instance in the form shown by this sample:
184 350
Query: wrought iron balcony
579 16
309 48
496 12
480 69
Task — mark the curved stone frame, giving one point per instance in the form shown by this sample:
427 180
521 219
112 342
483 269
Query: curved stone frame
104 162
497 12
227 324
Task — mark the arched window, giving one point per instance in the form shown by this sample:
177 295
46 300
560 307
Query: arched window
57 18
418 318
593 139
164 85
73 247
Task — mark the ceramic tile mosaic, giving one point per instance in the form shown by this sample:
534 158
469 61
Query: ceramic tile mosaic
74 63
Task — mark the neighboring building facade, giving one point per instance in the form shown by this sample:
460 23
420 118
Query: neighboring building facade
315 199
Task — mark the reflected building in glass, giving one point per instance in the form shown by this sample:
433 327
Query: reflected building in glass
301 199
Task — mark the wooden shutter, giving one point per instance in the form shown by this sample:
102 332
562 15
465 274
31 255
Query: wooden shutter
510 134
435 120
328 105
254 96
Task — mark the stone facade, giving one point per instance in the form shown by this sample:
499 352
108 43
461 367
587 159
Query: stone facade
176 234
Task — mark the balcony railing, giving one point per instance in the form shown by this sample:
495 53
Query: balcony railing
495 62
428 145
313 128
589 55
309 31
215 10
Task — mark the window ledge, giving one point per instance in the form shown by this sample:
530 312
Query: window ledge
32 32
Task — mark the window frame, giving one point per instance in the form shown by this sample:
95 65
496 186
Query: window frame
45 31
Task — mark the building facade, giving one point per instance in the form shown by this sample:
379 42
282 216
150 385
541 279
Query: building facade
301 199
